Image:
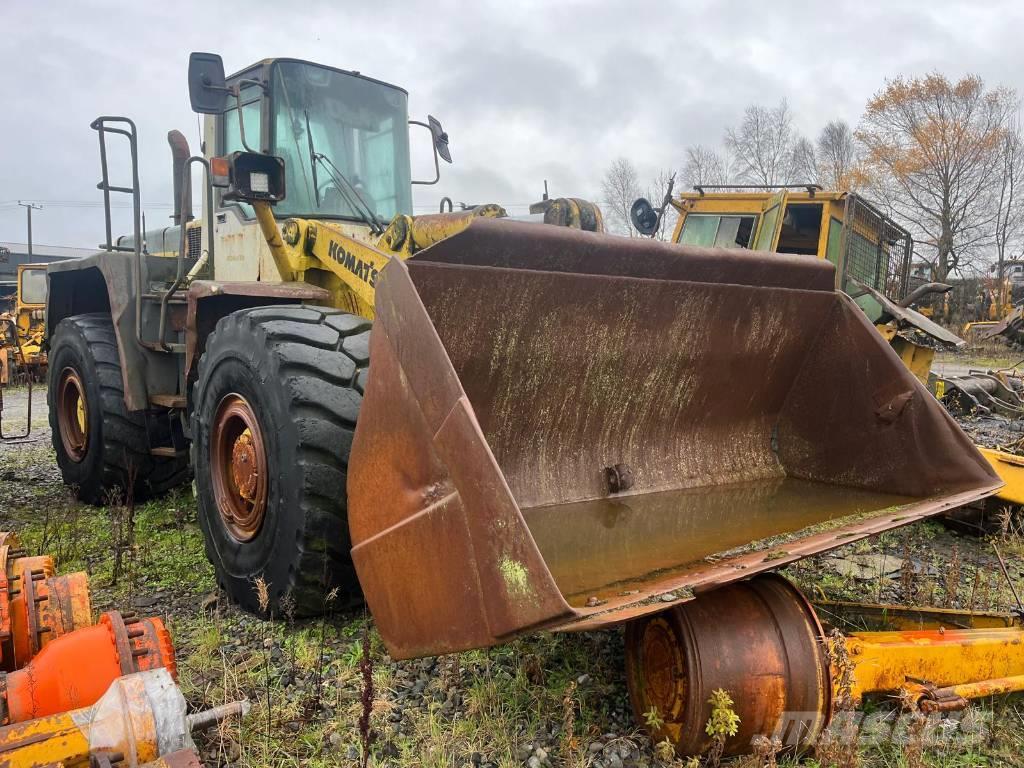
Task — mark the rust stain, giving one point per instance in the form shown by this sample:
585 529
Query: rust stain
515 363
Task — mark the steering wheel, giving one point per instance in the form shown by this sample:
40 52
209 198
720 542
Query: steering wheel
328 190
333 201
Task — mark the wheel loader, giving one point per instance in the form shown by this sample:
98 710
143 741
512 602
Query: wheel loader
486 427
871 253
22 330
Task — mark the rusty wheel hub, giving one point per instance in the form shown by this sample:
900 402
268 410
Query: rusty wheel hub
238 467
72 414
663 668
757 640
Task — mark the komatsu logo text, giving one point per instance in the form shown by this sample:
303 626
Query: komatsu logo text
364 270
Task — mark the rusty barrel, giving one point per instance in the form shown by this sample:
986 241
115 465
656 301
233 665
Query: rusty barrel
566 429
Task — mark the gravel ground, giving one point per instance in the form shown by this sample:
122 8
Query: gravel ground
994 432
544 701
14 413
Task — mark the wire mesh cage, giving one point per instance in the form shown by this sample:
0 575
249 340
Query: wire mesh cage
876 250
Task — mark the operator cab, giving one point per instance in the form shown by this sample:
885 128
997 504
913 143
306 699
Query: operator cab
32 285
343 137
329 126
318 142
866 247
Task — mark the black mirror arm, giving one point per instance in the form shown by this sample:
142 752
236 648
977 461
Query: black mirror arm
666 201
437 164
236 91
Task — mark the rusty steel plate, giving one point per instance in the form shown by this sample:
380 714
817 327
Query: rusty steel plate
573 430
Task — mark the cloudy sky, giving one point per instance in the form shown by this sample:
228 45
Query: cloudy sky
527 90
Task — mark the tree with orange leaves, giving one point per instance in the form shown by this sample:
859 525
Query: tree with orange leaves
933 149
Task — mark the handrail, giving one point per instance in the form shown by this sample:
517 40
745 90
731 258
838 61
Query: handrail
100 125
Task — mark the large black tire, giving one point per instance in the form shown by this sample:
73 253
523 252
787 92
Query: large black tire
115 461
299 371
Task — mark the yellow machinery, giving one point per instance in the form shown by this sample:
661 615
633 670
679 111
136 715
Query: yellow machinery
554 436
871 252
762 642
140 721
22 331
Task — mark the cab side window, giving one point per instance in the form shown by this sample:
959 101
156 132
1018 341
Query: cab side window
713 230
231 136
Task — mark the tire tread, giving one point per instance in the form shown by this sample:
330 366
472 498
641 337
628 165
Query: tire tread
320 379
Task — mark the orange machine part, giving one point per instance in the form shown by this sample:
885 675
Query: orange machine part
42 609
13 562
75 670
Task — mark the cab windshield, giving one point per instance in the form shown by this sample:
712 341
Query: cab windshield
33 286
359 126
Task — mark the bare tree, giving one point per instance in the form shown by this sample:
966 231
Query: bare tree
936 146
620 187
705 166
804 163
836 156
762 144
1008 204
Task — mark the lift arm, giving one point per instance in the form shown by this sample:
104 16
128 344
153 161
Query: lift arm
302 244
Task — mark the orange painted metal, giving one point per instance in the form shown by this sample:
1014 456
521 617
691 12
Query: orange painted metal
953 698
239 467
42 609
35 604
76 669
571 429
759 641
888 661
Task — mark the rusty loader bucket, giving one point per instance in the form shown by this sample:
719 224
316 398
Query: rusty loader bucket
570 430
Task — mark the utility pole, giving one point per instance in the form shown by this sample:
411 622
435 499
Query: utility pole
28 209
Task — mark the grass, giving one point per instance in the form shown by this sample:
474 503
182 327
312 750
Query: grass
563 691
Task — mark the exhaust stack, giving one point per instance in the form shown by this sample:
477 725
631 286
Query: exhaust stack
180 154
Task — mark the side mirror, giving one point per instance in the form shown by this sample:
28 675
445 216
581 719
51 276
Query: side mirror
253 177
206 85
440 146
645 219
440 138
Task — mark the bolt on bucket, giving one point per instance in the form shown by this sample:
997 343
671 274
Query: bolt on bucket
569 430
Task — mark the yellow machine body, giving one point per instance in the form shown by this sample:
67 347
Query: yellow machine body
21 331
1010 469
871 253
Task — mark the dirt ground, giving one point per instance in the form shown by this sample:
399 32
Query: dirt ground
548 700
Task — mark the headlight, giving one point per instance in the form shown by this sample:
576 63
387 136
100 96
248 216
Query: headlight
259 182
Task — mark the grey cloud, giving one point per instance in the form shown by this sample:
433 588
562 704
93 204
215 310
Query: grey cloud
528 90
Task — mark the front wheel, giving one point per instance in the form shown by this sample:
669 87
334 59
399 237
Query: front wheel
276 403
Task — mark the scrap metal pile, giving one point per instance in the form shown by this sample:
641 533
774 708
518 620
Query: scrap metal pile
989 406
74 693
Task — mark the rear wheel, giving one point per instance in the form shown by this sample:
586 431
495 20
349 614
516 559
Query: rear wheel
276 402
102 448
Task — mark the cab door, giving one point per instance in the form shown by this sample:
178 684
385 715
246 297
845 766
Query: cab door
770 224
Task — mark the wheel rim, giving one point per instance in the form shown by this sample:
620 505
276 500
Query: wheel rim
72 414
238 468
657 655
